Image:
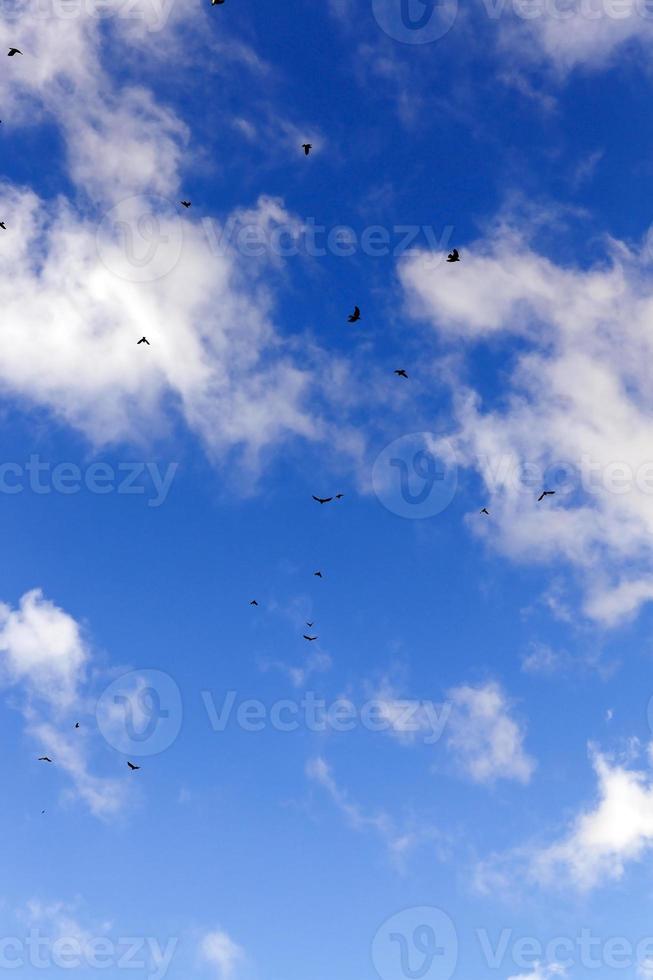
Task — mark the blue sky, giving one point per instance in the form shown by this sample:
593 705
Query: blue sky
456 778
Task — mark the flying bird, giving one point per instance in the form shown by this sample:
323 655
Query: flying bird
253 602
187 204
355 316
323 500
310 625
76 724
339 496
545 493
143 340
12 51
453 256
132 766
3 225
401 373
317 574
44 758
214 3
485 511
310 638
307 148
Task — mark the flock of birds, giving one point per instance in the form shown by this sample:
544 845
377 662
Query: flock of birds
453 256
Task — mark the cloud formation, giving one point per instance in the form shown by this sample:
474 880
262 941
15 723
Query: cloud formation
574 412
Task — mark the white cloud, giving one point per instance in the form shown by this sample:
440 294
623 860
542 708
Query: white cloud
320 772
44 655
399 843
214 356
409 720
61 920
583 33
543 659
542 971
616 829
486 742
42 646
219 950
575 407
74 282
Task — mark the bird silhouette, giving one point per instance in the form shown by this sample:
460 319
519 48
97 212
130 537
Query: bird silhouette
187 204
3 225
310 638
545 493
401 373
485 511
453 256
143 340
323 500
215 3
12 51
317 575
307 148
355 316
339 496
44 758
76 724
133 767
253 602
310 625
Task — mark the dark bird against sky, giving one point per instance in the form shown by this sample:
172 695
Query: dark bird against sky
453 256
355 316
